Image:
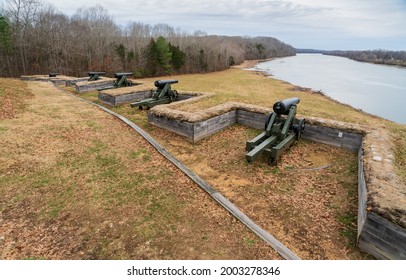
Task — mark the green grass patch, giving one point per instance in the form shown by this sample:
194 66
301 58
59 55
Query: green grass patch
349 230
137 154
250 242
98 146
93 125
42 180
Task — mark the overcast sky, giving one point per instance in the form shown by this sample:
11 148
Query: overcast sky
319 24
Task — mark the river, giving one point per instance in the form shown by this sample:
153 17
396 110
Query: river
376 89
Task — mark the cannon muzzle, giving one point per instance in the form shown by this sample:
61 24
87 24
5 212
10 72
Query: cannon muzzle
161 83
283 106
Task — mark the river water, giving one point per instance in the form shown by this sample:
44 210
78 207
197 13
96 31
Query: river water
376 89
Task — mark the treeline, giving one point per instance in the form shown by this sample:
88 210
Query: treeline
35 38
373 56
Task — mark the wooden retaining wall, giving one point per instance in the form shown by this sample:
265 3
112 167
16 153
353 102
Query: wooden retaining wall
58 80
331 136
73 82
334 137
362 194
94 85
381 238
115 100
194 132
213 125
251 119
377 236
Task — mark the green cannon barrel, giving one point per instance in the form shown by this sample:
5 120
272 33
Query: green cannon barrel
282 107
96 73
161 83
119 75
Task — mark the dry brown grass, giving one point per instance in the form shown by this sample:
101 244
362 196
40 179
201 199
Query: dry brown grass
139 86
312 212
13 96
75 183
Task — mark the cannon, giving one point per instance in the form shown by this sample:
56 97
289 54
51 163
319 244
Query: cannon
121 80
164 94
94 76
282 129
160 84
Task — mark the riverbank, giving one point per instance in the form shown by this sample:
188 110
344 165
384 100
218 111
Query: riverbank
381 57
363 86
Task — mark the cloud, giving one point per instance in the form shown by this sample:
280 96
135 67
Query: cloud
291 19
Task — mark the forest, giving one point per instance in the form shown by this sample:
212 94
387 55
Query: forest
35 38
373 56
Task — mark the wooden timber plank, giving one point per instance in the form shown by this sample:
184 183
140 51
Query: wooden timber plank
386 230
106 99
344 139
231 208
368 245
74 81
131 97
251 119
382 238
181 128
213 125
94 86
362 194
375 246
344 143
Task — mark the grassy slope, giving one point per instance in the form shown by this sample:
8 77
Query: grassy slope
12 98
243 86
211 161
75 183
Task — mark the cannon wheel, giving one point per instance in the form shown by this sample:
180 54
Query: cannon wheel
300 128
267 120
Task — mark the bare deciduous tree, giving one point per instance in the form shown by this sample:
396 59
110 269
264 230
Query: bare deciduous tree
45 39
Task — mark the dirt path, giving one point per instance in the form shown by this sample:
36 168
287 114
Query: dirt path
78 184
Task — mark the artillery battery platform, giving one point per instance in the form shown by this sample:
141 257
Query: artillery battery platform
163 95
